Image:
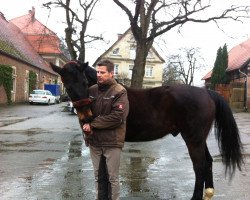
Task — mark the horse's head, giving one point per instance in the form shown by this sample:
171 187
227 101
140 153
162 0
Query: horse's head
76 84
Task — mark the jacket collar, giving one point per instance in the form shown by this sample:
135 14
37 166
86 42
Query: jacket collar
107 84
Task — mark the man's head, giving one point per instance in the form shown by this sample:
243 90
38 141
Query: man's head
105 71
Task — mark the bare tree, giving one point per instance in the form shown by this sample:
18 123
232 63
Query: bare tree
170 75
75 37
185 64
151 18
123 78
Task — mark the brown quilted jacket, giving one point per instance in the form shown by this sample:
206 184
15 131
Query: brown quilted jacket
110 106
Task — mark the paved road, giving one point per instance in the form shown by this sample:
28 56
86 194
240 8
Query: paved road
42 157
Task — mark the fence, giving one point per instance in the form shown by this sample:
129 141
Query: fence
233 93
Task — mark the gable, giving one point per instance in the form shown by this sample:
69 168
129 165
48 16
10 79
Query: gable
29 25
239 55
124 48
14 44
40 37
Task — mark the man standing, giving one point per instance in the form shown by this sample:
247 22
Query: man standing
105 135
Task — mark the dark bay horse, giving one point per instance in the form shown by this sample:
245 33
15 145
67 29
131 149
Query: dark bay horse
154 113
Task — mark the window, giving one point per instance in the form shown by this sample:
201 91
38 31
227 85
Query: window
13 79
130 71
37 80
13 89
116 67
148 71
13 72
49 93
132 52
115 51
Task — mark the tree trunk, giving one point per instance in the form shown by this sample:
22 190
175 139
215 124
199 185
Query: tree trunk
82 51
142 49
68 39
139 66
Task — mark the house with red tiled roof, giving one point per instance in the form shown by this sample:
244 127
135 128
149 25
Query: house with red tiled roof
238 67
45 42
27 46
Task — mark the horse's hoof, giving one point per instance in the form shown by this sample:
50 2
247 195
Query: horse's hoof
209 193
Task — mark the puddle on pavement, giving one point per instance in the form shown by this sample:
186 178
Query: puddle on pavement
35 131
28 132
19 144
132 150
47 162
75 149
9 120
217 158
27 179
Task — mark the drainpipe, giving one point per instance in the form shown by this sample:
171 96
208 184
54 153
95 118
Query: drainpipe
245 108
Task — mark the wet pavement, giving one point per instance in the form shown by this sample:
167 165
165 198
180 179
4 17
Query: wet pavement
42 157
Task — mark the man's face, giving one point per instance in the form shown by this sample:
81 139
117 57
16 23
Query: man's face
103 75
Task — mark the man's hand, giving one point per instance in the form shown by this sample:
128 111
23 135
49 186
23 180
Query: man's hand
87 129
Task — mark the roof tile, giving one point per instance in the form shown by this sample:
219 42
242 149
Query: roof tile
42 39
238 56
14 43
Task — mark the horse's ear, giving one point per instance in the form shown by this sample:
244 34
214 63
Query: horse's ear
82 65
55 68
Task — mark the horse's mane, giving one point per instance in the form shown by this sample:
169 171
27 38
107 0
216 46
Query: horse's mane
71 62
90 73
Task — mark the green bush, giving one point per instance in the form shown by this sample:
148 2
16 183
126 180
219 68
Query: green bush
32 80
6 80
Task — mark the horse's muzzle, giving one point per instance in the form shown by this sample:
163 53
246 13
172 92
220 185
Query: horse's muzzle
84 112
82 103
85 115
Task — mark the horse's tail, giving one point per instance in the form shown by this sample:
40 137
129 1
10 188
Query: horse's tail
227 134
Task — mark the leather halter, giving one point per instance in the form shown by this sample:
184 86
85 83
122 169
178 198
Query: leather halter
82 102
85 116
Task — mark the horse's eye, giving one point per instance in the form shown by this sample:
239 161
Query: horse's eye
84 84
67 87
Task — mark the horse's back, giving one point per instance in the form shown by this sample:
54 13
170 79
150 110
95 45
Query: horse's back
183 99
192 103
158 111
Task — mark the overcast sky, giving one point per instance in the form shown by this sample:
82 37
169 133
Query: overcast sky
109 20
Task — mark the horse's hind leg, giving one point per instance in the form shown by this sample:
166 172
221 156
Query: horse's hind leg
209 185
197 155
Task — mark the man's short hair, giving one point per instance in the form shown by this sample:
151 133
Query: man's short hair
107 63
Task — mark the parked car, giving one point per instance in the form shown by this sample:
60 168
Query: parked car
41 96
71 108
65 97
55 89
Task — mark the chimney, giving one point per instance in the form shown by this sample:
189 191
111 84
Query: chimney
119 36
2 15
32 13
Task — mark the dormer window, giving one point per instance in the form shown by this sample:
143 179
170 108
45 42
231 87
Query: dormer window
150 55
116 51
